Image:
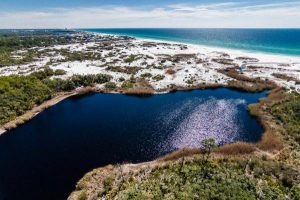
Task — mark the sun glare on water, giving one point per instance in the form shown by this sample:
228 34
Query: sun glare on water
211 118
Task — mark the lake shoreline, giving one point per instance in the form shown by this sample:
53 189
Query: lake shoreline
269 147
30 114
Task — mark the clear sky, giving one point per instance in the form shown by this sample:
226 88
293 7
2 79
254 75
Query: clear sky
149 13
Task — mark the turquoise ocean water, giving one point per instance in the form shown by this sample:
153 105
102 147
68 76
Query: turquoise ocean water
275 41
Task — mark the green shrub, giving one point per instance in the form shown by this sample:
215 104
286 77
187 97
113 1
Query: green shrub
191 80
158 77
82 195
127 85
110 85
146 75
59 72
130 59
121 79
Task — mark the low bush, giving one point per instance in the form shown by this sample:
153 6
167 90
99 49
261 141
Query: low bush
146 75
82 195
158 77
127 85
59 72
48 72
130 59
191 80
110 85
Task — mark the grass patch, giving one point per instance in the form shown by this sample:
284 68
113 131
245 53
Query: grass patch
237 148
140 91
185 152
171 71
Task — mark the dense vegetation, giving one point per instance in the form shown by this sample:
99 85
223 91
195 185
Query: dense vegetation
195 178
37 32
20 93
11 42
288 112
213 180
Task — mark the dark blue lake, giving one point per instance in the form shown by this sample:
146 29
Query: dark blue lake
44 158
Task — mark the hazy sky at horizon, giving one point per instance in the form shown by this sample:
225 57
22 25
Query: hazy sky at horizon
146 13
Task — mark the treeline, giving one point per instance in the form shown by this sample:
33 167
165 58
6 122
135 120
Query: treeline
11 44
75 81
31 41
20 93
39 32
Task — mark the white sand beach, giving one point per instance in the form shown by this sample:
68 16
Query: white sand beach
174 63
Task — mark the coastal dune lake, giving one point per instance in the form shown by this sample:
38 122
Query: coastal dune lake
44 158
